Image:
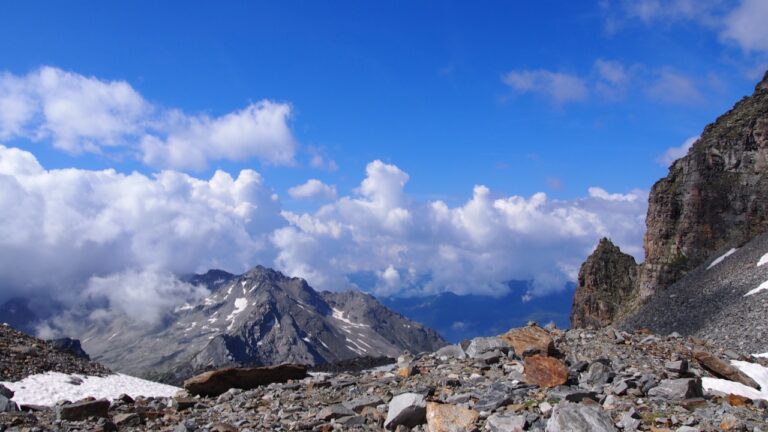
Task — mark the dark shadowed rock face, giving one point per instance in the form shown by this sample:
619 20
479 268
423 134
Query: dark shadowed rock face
716 196
606 282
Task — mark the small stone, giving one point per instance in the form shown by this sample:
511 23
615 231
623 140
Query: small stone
82 410
7 405
545 408
358 404
183 403
407 409
567 416
545 371
450 418
678 389
333 412
127 420
730 422
678 366
5 391
505 423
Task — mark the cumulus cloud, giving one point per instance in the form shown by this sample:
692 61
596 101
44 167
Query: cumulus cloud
65 227
313 189
674 153
558 87
745 25
79 114
431 247
112 241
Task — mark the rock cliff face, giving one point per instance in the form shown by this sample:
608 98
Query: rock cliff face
606 282
713 198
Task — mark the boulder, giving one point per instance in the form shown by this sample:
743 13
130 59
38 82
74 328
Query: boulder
83 409
529 340
450 418
482 345
571 417
7 405
677 389
596 375
407 409
454 351
545 371
5 391
333 412
505 423
358 404
723 369
216 382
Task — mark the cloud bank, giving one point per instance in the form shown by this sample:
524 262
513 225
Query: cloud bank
80 114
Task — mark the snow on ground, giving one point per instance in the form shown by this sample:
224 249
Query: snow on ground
720 259
339 315
753 370
763 286
51 387
763 355
763 260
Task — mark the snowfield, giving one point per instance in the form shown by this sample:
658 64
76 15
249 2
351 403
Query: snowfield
753 370
720 259
763 260
763 286
51 387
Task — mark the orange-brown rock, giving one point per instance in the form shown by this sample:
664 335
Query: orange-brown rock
545 371
216 382
529 340
450 418
736 400
723 369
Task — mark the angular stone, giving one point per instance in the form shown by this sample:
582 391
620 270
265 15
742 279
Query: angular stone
505 423
450 418
481 345
722 369
407 409
451 351
183 403
529 340
678 389
82 410
127 420
216 382
596 375
545 371
678 366
571 417
358 404
490 357
7 405
333 412
5 391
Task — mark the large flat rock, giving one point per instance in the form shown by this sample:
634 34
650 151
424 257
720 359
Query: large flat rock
216 382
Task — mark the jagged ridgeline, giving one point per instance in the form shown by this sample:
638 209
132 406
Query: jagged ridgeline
713 200
259 318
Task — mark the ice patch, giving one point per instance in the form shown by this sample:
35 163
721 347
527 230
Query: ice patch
339 315
720 259
763 286
48 388
762 355
306 339
752 370
763 260
240 304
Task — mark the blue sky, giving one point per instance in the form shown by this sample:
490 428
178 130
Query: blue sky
521 98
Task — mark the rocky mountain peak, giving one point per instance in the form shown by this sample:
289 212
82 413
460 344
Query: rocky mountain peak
606 282
714 198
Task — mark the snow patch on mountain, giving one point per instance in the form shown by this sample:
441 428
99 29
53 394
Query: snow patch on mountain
755 371
763 260
48 388
720 259
763 286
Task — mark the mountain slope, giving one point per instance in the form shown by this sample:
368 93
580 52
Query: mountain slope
714 302
259 318
714 197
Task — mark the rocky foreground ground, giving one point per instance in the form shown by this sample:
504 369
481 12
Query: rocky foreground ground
528 379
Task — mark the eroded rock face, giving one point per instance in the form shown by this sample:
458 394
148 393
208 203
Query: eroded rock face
606 282
714 198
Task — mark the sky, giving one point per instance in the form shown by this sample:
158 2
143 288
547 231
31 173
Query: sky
432 146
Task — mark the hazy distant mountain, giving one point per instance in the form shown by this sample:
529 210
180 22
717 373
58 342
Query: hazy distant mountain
458 317
261 317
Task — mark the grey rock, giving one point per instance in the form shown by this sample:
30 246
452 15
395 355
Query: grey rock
481 345
571 417
7 405
596 375
451 351
358 404
677 389
82 410
5 391
334 412
677 366
127 420
407 409
505 423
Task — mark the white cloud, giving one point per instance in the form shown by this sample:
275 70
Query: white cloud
474 247
674 153
313 188
79 114
620 13
319 160
558 87
67 226
745 25
674 87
